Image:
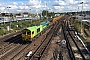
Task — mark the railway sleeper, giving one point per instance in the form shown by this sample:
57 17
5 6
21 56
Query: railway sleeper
39 53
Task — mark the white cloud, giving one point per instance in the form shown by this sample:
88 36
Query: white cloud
2 8
15 3
69 1
35 3
70 5
59 5
38 5
12 7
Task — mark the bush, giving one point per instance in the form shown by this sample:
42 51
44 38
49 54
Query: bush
21 25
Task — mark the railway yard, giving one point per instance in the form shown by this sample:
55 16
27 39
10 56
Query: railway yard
57 42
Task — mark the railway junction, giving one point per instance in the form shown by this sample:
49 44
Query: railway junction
57 42
44 30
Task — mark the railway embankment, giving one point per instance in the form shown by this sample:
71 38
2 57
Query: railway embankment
85 36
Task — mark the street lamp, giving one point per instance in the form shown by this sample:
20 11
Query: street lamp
37 15
9 17
41 14
30 15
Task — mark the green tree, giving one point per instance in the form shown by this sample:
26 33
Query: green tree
44 13
51 14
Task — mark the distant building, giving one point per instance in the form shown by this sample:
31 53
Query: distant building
22 15
6 14
57 14
25 14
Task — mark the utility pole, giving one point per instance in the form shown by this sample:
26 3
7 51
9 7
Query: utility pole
46 11
82 16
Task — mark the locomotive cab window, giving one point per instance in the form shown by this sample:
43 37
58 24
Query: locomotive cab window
38 30
24 32
28 32
33 32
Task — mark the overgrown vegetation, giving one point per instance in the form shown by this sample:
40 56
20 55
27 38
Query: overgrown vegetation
77 24
19 25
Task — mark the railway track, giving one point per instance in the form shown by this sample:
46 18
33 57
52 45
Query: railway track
61 52
5 46
40 51
71 54
82 51
14 47
6 40
9 36
10 42
37 52
6 51
73 45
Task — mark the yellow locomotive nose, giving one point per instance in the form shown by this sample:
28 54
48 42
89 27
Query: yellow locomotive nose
24 37
26 34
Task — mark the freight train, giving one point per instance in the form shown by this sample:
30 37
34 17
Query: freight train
31 32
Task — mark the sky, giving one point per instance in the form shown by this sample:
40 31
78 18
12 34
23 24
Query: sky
37 6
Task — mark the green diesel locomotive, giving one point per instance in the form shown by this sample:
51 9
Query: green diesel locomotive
30 32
